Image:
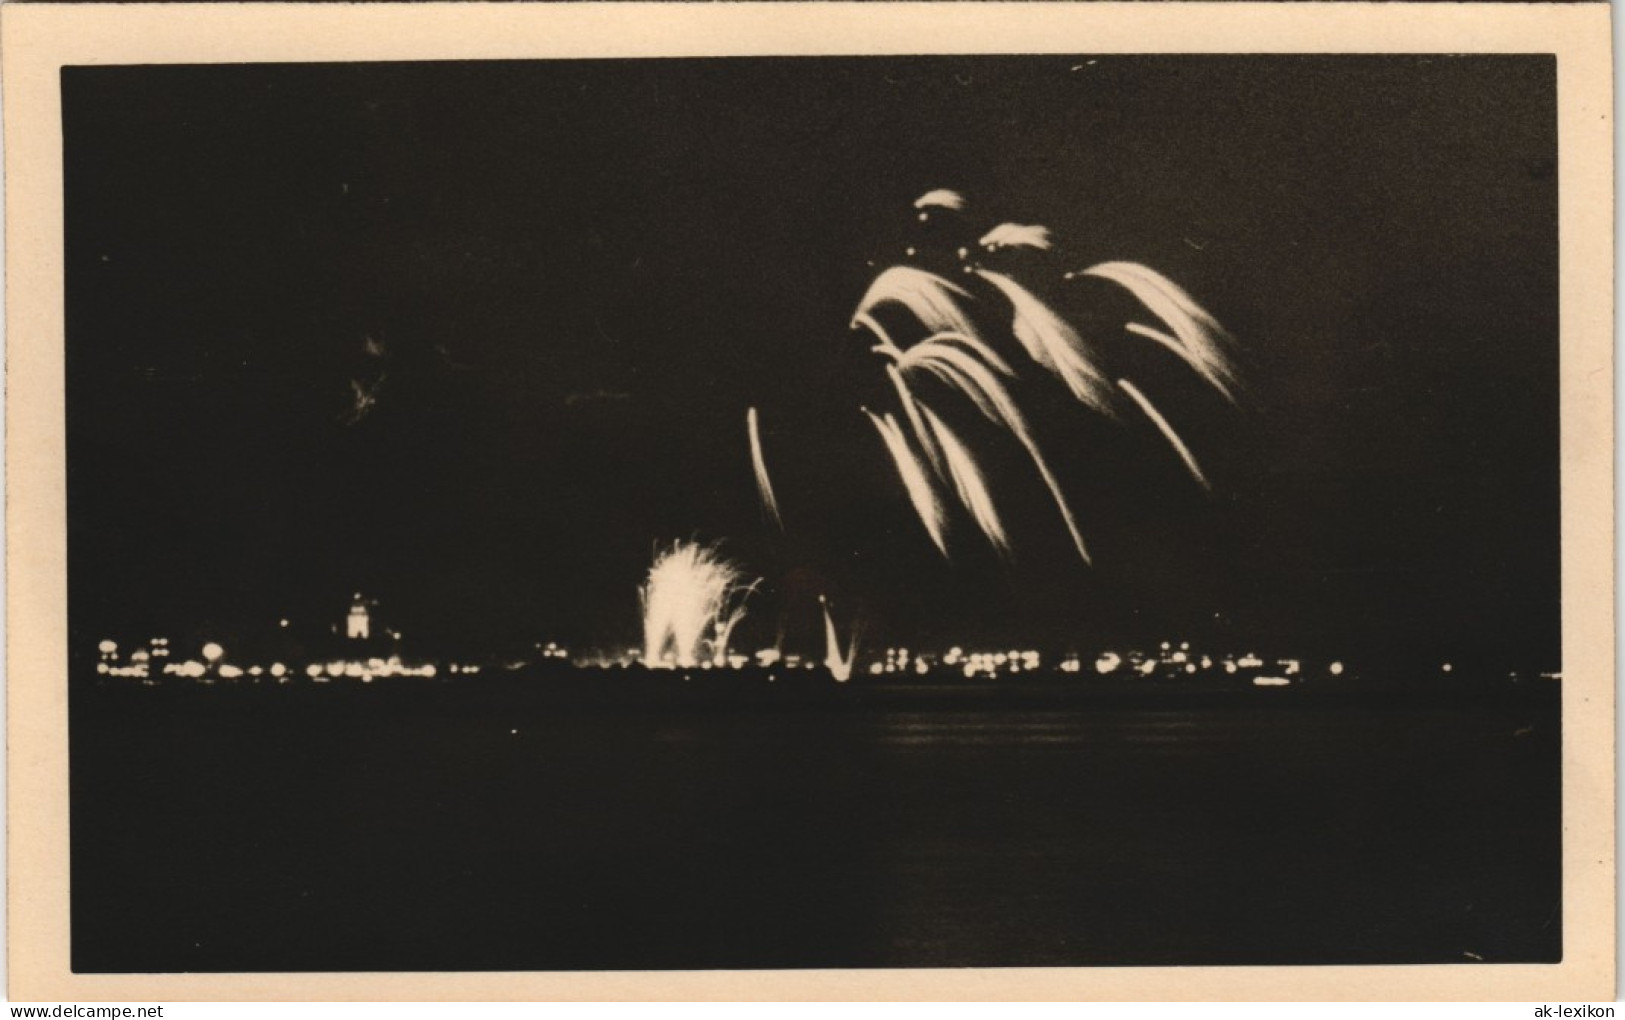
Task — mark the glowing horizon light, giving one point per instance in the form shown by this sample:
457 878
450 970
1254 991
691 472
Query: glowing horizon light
213 652
231 672
107 646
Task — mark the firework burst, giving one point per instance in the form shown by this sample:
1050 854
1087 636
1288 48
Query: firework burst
692 600
934 465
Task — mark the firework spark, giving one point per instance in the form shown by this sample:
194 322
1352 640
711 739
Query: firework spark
969 483
915 480
978 383
941 198
1200 339
911 407
764 485
1167 430
1053 344
692 600
1016 235
927 296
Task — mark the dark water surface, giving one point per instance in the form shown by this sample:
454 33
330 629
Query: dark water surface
244 830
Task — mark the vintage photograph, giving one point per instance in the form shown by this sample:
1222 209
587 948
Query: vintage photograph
813 512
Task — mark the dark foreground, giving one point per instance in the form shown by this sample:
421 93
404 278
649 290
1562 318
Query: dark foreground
236 829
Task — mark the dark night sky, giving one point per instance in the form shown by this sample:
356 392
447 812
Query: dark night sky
579 275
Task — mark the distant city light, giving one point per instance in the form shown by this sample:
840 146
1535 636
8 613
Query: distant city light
107 647
1447 667
1335 669
212 652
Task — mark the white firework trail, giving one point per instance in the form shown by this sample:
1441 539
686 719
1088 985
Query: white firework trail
1053 344
929 297
970 377
1140 329
911 408
972 343
724 629
1167 431
838 663
764 485
692 600
969 483
915 480
1201 340
1016 235
941 198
